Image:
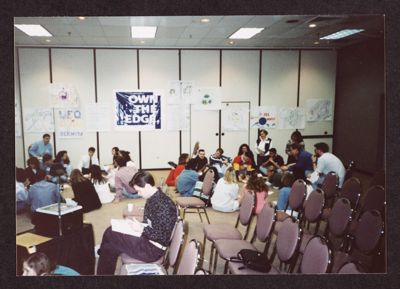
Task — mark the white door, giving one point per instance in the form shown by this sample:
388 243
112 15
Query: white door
204 128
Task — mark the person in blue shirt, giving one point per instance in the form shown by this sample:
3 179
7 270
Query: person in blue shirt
284 192
187 179
304 163
42 193
40 148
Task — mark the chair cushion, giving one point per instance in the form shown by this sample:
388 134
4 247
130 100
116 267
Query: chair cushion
126 259
229 248
221 231
339 259
190 202
234 269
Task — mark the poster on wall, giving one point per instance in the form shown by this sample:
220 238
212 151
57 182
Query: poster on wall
69 123
207 98
139 110
235 119
178 117
63 95
38 120
180 92
98 117
292 118
319 109
264 117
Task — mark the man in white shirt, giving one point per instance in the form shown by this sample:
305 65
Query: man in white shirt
88 160
326 163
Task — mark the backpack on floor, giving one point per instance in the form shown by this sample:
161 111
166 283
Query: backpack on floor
253 259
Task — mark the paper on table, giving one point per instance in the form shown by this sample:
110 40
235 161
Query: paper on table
122 226
314 176
29 239
144 269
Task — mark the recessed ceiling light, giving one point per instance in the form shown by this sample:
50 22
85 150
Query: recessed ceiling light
245 33
205 20
142 42
312 25
33 30
143 31
316 42
48 40
231 42
342 33
81 18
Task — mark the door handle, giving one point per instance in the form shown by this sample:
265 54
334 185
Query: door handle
217 134
223 133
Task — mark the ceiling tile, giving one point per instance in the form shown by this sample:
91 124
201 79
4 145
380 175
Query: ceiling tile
165 41
117 31
71 40
95 40
25 40
114 21
145 21
119 41
187 41
169 32
195 32
89 30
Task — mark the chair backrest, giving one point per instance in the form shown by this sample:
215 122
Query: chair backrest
265 222
340 217
350 268
208 182
317 256
178 237
369 230
189 259
314 205
297 195
246 208
330 184
352 191
374 199
287 240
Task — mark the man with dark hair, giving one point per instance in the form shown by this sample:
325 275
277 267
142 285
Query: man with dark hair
40 148
186 182
327 162
219 161
200 161
303 165
274 160
42 193
88 160
123 175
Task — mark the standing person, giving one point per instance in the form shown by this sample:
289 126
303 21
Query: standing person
295 137
87 160
42 193
263 144
40 148
63 158
175 172
327 162
186 182
101 185
32 170
219 161
303 165
226 193
122 177
84 192
274 160
159 220
245 148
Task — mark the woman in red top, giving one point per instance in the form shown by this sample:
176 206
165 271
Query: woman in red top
175 172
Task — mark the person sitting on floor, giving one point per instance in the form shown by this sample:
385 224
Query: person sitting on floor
226 193
122 177
84 192
256 185
127 157
154 234
87 160
38 264
32 170
175 172
21 197
274 160
219 161
186 181
303 166
283 196
274 177
245 148
62 158
40 148
242 164
100 184
42 193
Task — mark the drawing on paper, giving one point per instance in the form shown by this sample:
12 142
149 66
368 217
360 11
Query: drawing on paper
319 109
178 117
208 98
63 95
180 91
292 118
38 120
69 123
263 117
235 119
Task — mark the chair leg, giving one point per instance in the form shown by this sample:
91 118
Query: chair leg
215 262
205 212
203 251
198 211
226 266
211 256
184 212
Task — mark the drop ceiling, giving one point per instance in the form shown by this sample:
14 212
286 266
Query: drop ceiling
189 32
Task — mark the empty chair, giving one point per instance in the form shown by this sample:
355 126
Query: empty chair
286 248
317 257
329 186
195 203
225 231
350 268
190 258
228 248
363 246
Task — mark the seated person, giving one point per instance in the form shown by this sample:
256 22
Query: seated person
62 158
226 193
127 157
84 192
123 175
38 264
257 186
303 165
40 148
274 177
32 170
160 216
101 185
42 193
295 137
87 160
21 198
200 162
175 172
186 181
283 197
219 161
242 164
245 148
273 160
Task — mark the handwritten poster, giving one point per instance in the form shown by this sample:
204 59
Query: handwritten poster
139 110
38 120
63 95
235 119
319 109
264 117
69 123
178 117
292 118
98 117
180 92
207 98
